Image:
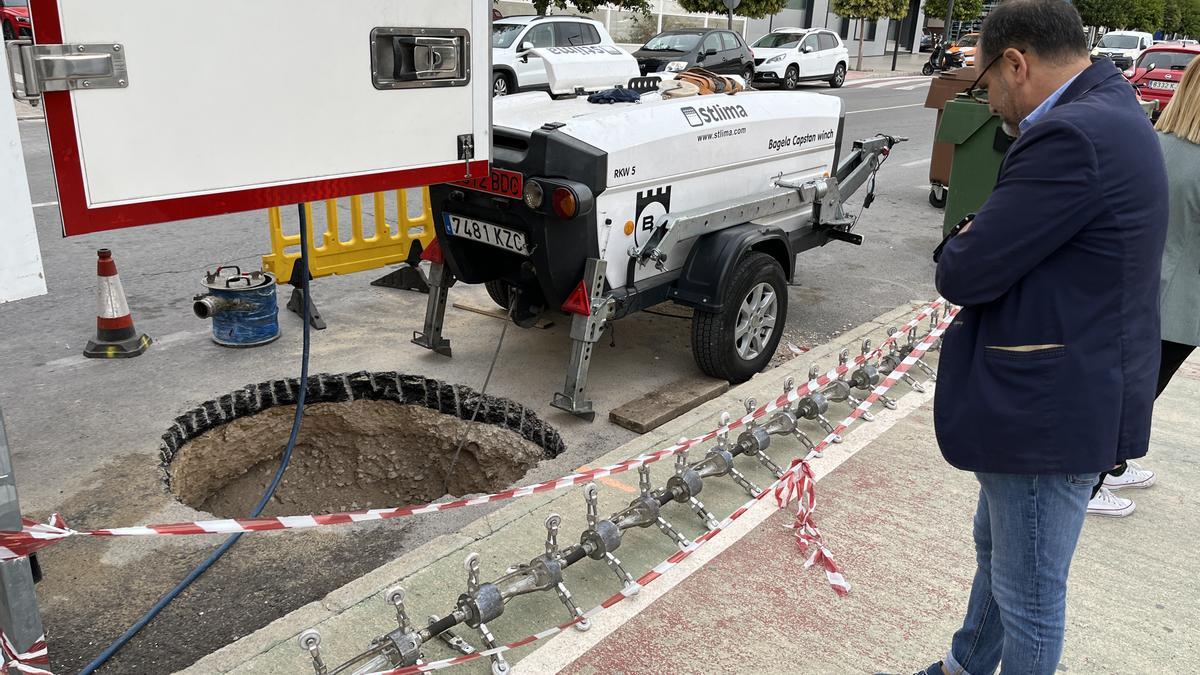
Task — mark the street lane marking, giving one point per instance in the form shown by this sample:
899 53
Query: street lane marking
893 107
880 83
915 86
563 649
918 162
44 204
873 83
80 359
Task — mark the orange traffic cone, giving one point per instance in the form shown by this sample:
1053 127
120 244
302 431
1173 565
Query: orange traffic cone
116 338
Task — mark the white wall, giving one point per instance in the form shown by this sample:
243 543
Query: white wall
20 258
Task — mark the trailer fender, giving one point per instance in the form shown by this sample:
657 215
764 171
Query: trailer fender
714 257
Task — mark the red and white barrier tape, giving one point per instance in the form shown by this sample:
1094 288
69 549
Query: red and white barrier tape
24 662
36 536
795 485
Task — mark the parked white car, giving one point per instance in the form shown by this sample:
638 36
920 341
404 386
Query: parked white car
789 56
515 69
1122 46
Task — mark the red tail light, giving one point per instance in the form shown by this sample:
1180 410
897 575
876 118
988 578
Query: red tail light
565 203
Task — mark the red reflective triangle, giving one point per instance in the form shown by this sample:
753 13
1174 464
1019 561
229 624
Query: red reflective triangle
579 301
434 253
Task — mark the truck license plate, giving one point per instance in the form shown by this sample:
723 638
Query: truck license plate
1158 84
493 235
498 182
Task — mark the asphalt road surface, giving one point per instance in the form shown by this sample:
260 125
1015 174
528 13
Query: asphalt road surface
85 433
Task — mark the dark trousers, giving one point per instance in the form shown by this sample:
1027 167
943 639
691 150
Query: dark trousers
1173 356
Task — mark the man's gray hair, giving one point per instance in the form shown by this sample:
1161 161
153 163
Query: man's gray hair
1050 29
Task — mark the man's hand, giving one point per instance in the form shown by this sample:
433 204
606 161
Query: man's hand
966 228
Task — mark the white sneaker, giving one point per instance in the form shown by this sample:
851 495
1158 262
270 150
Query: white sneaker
1134 477
1105 503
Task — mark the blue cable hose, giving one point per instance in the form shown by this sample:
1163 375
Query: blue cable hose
262 503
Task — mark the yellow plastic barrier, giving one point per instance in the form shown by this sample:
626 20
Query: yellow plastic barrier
331 255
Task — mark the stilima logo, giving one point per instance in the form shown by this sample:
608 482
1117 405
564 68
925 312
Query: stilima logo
698 117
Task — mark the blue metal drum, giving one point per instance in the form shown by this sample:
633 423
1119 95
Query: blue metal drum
243 307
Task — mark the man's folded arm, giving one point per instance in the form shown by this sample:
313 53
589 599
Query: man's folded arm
1048 192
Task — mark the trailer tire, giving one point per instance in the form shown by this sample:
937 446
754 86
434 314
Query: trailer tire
714 340
501 293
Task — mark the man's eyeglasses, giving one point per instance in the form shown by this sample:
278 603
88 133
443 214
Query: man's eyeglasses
981 95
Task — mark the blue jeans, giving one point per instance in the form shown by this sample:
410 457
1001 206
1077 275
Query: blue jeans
1026 528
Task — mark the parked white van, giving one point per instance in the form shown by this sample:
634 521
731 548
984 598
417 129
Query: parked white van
1122 46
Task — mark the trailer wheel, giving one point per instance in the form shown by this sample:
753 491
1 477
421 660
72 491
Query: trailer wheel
740 340
501 293
8 32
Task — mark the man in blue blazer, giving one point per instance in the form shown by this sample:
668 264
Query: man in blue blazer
1047 374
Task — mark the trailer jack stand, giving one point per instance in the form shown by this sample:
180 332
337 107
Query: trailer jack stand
440 281
585 333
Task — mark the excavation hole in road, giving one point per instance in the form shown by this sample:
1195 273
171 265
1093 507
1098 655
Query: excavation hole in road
368 440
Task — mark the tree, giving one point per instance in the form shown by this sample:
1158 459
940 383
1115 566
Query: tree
589 6
754 9
1146 15
1172 23
1189 23
964 10
1107 13
863 10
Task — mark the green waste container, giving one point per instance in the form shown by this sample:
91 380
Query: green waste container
979 147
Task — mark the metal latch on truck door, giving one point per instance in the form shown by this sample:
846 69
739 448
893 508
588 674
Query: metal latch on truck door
409 58
34 69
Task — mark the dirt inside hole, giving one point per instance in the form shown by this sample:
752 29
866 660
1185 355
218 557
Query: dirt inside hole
354 455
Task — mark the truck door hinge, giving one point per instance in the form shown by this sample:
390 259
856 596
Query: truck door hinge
36 69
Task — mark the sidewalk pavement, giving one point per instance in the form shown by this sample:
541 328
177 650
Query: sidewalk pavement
881 66
896 517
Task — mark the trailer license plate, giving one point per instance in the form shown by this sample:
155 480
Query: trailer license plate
1158 84
499 182
494 235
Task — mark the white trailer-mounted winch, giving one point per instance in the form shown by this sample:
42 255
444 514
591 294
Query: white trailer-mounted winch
605 210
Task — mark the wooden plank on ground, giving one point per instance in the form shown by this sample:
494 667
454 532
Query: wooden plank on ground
666 403
497 313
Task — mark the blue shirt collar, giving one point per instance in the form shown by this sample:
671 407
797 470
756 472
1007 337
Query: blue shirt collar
1046 105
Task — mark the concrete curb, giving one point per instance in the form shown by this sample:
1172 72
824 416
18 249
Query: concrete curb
243 654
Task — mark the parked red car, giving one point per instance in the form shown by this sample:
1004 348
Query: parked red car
1157 72
14 17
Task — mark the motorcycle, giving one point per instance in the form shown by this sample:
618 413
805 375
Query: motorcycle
942 59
